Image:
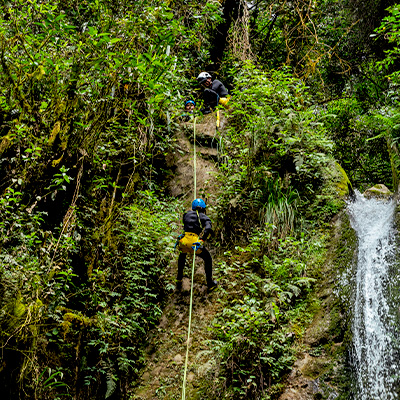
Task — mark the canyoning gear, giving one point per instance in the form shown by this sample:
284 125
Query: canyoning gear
203 222
198 203
198 245
190 102
203 76
178 239
197 222
205 256
187 243
223 101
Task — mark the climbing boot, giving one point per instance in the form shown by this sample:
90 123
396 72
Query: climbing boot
212 285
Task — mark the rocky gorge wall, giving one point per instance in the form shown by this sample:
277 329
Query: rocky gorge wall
321 370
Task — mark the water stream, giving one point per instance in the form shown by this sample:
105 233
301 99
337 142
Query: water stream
374 354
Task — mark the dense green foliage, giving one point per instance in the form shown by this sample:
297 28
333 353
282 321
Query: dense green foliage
57 316
267 312
277 152
275 177
86 104
89 95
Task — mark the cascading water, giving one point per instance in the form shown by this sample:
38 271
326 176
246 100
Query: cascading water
374 344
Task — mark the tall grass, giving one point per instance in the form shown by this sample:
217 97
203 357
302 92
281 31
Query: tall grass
279 211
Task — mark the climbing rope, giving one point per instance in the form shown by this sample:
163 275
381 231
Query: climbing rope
219 143
194 159
193 264
189 327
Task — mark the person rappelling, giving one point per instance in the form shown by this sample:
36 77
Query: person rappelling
214 93
198 228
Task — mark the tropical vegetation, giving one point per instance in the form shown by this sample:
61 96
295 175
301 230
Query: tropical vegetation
90 98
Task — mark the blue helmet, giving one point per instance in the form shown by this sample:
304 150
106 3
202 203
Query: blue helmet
190 102
198 203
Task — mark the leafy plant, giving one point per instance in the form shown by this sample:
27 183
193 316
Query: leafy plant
266 298
47 384
277 152
94 87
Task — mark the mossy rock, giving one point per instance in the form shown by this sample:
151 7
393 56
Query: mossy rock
342 182
313 367
379 191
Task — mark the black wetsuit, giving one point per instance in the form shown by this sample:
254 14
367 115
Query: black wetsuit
213 93
196 223
192 224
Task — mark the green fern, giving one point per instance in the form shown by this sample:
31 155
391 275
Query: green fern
111 385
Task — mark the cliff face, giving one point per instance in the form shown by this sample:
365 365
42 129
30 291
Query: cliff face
181 160
96 172
322 366
318 343
165 354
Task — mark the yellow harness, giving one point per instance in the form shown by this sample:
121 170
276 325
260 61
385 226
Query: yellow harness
186 243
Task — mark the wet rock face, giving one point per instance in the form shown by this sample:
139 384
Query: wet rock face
320 371
181 160
378 191
302 387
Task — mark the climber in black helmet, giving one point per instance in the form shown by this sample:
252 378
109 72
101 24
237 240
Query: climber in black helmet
195 222
214 92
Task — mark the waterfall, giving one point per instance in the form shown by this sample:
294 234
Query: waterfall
374 355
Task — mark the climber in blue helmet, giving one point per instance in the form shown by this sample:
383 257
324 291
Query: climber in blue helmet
190 105
197 227
188 114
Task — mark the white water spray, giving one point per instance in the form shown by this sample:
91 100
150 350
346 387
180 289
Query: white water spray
373 355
